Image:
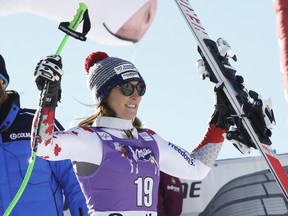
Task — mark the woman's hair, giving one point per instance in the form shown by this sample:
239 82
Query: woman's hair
104 110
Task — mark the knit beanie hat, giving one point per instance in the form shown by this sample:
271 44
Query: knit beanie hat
3 73
105 73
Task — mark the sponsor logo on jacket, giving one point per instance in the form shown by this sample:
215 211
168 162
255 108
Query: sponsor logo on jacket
183 153
173 188
14 136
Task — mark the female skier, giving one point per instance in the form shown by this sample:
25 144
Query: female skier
117 161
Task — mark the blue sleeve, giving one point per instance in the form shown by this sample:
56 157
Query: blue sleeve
68 181
65 176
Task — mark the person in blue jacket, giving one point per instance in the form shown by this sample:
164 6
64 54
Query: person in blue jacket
50 181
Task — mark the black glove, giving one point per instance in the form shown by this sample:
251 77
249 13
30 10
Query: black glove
50 70
221 116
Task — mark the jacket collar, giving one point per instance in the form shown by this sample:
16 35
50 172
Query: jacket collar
112 122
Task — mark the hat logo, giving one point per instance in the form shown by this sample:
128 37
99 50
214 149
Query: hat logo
130 75
124 67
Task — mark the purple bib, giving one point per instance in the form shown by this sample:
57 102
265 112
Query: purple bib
127 178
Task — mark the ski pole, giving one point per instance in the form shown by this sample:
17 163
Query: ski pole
78 17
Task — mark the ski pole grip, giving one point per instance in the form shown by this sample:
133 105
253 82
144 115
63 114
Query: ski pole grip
78 16
72 25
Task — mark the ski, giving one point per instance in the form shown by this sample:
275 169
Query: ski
252 116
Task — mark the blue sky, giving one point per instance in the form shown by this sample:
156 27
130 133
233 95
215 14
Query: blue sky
178 103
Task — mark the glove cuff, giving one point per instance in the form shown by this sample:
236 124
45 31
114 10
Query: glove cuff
53 95
220 118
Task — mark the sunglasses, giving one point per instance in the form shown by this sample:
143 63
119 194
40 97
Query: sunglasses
128 88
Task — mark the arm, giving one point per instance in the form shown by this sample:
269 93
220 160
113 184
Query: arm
47 127
209 148
68 181
49 71
195 165
74 144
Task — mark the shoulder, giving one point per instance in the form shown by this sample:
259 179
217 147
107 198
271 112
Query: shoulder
25 116
149 131
152 133
27 111
67 163
89 129
78 131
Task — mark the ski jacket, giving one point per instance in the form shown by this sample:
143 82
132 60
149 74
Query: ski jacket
85 145
43 194
170 196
